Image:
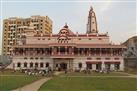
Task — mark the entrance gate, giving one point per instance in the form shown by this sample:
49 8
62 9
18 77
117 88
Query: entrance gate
63 64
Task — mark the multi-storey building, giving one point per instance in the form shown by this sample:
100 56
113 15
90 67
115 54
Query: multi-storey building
14 27
68 50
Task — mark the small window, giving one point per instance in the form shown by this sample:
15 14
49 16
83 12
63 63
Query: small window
107 58
43 39
36 58
38 38
36 64
47 64
31 58
80 65
98 58
25 58
41 64
18 64
116 58
25 64
48 38
41 58
31 65
89 38
79 38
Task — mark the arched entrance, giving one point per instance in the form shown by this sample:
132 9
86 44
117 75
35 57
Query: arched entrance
63 66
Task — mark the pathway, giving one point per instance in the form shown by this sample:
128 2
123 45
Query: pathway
33 86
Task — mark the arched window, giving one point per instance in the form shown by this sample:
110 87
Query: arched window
36 64
31 64
41 64
80 65
18 64
25 64
47 64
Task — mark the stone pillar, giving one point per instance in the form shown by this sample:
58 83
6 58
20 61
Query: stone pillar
102 66
93 66
122 64
112 67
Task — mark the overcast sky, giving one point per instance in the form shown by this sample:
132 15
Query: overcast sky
118 18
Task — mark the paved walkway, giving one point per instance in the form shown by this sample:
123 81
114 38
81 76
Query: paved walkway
33 86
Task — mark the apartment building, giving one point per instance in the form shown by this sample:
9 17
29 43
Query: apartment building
13 29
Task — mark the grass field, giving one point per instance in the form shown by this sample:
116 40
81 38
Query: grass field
95 74
10 80
7 83
77 83
11 72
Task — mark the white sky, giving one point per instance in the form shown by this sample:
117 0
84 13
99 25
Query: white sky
118 18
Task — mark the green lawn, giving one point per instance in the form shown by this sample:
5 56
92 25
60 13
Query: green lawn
7 83
11 72
95 74
90 84
85 82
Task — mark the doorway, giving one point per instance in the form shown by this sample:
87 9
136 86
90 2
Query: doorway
63 66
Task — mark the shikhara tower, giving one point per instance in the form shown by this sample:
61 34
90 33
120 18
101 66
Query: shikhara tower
92 22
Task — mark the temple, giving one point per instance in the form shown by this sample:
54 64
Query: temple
68 50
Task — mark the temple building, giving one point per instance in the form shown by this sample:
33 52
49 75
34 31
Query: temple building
68 50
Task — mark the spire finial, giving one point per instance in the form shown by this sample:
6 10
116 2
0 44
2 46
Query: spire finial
91 8
66 26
